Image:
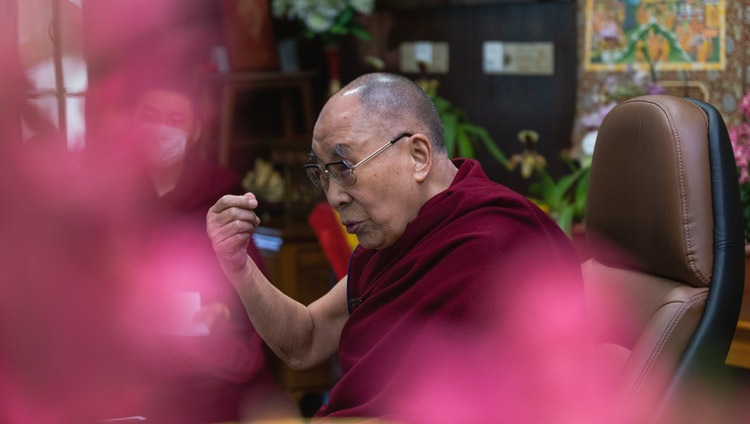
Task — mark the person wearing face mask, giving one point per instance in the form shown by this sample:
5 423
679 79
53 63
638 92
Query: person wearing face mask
166 129
211 366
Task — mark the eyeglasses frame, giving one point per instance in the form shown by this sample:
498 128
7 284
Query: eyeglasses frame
324 168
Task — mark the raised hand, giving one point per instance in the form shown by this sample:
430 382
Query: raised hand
230 224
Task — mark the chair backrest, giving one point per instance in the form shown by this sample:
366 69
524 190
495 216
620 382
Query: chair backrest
664 229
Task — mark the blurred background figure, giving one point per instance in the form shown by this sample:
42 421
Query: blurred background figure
114 305
205 363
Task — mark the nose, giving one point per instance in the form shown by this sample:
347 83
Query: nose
337 196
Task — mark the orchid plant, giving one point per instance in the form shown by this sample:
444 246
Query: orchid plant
564 199
616 88
460 134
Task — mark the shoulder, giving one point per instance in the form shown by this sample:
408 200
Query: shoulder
488 223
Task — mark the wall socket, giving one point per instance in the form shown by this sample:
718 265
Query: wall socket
518 58
433 54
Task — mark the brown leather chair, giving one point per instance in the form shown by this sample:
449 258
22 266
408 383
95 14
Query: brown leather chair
665 279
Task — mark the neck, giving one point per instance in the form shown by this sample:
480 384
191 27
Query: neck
446 170
442 176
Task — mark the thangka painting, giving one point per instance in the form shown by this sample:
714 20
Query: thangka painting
668 34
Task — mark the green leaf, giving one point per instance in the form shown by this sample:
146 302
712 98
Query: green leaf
544 187
442 105
566 182
484 136
460 134
554 191
579 201
449 134
564 219
359 32
465 149
345 16
338 29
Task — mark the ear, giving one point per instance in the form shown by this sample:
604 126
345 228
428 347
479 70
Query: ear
421 153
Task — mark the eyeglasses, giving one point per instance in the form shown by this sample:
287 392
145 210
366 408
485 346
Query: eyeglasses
340 171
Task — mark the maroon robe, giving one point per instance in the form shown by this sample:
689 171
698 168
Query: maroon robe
459 272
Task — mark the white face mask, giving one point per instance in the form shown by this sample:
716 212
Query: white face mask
164 145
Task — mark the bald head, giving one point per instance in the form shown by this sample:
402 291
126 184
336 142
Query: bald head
395 100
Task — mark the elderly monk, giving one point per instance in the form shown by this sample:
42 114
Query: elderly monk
446 257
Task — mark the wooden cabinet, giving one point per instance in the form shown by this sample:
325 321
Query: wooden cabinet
296 265
292 103
270 116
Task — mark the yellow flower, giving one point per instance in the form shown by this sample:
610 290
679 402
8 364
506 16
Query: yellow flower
529 160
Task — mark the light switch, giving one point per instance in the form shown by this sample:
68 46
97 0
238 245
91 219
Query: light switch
492 53
432 54
518 58
423 52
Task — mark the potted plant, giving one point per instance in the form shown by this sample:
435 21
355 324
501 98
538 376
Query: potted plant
563 199
330 21
459 133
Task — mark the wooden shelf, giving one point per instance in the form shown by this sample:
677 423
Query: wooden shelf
296 104
269 116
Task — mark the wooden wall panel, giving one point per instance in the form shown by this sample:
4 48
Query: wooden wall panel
503 104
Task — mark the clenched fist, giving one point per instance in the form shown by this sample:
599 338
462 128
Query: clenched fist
230 224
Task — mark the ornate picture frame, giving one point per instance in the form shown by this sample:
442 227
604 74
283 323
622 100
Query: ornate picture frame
672 35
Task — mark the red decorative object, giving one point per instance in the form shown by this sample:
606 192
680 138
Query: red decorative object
327 227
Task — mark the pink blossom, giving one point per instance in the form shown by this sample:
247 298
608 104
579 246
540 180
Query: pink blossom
740 137
745 105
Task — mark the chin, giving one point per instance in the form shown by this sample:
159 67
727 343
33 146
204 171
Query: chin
366 241
366 245
370 244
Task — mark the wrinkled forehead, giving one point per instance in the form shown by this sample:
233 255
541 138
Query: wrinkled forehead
342 130
351 144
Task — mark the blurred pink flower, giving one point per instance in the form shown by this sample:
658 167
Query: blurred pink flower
740 137
745 105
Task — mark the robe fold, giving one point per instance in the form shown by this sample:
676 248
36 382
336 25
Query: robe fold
462 271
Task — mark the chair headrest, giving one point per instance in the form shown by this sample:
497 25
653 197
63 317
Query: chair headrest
649 202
